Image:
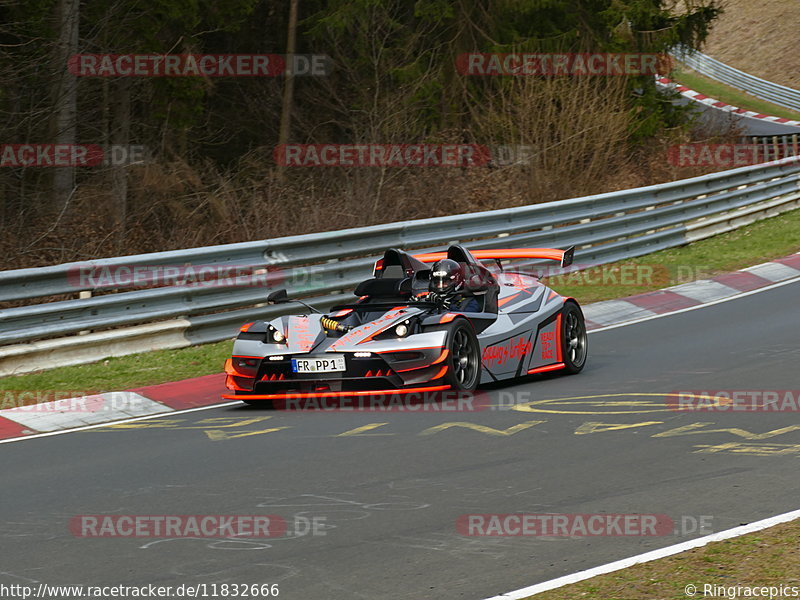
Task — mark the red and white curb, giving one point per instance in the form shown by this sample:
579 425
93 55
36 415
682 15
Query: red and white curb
199 393
690 295
110 407
709 101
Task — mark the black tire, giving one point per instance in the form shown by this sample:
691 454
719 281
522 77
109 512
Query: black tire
464 359
574 341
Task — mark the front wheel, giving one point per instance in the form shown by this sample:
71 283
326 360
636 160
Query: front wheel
574 340
464 358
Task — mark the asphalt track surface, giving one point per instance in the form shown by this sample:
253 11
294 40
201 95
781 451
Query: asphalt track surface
390 495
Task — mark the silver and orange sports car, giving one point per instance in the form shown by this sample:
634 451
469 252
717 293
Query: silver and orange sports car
398 337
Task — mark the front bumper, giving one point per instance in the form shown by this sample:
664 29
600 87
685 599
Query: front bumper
330 394
380 372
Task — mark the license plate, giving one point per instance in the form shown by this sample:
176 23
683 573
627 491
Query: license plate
318 364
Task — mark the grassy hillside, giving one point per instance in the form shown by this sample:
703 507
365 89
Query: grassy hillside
760 38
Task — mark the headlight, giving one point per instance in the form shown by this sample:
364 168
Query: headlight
274 336
402 329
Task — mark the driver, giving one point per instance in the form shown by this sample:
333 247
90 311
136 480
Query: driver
447 286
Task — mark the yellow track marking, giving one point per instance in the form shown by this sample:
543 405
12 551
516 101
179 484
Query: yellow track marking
535 405
218 435
597 427
360 430
693 428
482 428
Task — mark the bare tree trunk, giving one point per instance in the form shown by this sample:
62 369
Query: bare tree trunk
66 96
120 138
288 87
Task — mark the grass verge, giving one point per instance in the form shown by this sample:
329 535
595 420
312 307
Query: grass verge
726 93
125 372
756 243
765 558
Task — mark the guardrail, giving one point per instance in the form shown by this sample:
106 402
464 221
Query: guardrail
325 267
711 67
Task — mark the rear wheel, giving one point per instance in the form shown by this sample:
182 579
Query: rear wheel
574 340
464 358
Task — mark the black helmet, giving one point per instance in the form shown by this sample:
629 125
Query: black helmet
447 277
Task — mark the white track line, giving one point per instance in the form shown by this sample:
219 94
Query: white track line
647 557
212 406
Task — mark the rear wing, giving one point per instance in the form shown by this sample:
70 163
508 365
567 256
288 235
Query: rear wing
564 257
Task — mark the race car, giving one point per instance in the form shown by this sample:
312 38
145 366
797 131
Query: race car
422 323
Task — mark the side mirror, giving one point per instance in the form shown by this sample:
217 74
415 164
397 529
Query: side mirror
277 297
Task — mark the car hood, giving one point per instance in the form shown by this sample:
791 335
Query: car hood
305 333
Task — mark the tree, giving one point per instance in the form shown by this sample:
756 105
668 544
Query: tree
65 100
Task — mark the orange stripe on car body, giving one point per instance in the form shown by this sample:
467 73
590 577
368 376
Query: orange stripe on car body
405 350
290 395
440 374
547 368
444 355
507 299
229 368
